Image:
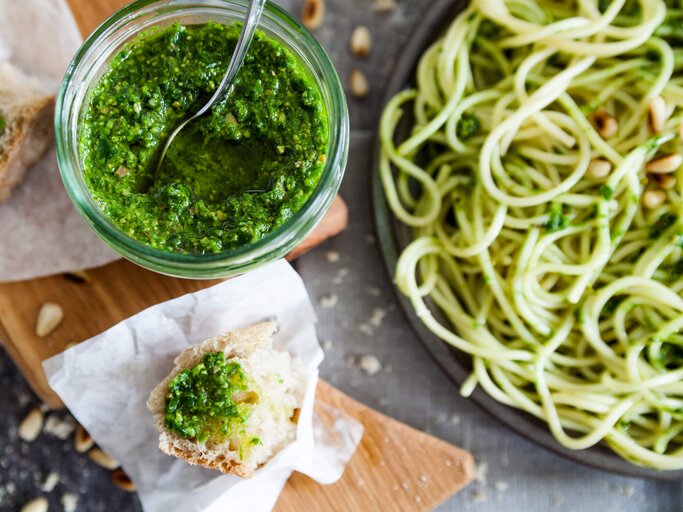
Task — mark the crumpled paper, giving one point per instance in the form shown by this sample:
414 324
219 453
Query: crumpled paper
105 383
40 231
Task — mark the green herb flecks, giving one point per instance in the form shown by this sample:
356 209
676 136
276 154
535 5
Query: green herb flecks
199 403
468 125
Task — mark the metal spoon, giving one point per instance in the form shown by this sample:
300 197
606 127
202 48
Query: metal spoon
225 87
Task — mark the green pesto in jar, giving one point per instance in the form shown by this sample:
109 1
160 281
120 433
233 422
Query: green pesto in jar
203 402
229 178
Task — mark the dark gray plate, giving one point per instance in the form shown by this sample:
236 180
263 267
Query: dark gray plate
393 236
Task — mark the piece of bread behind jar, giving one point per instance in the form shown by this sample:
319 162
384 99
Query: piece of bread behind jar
26 125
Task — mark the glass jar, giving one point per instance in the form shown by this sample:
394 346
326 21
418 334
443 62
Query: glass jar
91 62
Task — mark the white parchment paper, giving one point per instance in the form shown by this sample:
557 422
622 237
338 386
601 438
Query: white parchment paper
105 383
40 231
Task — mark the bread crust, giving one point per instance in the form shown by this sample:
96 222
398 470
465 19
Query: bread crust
29 134
240 344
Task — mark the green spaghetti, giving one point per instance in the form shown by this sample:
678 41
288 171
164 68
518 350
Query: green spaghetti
541 176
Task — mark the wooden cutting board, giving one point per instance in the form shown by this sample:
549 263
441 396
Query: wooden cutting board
396 468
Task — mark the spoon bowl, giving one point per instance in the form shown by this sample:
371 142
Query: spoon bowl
251 21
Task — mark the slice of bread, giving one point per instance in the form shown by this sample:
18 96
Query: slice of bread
26 126
278 382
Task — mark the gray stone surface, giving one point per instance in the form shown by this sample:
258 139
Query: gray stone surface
514 474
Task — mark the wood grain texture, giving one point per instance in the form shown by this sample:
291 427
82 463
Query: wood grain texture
396 467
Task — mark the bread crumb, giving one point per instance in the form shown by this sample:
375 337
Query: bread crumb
378 315
50 482
482 470
455 420
375 292
370 364
327 345
405 486
329 301
447 462
424 478
69 502
479 496
383 5
341 274
366 329
441 418
370 239
501 486
383 401
61 428
418 499
332 256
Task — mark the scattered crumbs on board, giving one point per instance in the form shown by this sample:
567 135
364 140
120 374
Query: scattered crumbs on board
441 417
327 345
332 256
50 482
365 329
455 420
69 502
374 291
383 401
482 470
328 301
341 274
60 427
23 399
626 490
377 317
479 496
501 486
370 364
384 5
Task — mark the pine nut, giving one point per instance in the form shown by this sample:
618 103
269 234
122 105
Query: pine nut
313 14
361 41
359 84
122 480
666 181
82 440
36 505
245 397
665 164
657 114
599 168
606 125
31 426
653 199
102 459
49 317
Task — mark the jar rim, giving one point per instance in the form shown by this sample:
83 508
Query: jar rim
274 244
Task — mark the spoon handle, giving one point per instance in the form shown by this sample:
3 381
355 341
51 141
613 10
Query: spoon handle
246 35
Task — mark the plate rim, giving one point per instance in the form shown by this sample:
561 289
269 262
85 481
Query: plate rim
522 423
